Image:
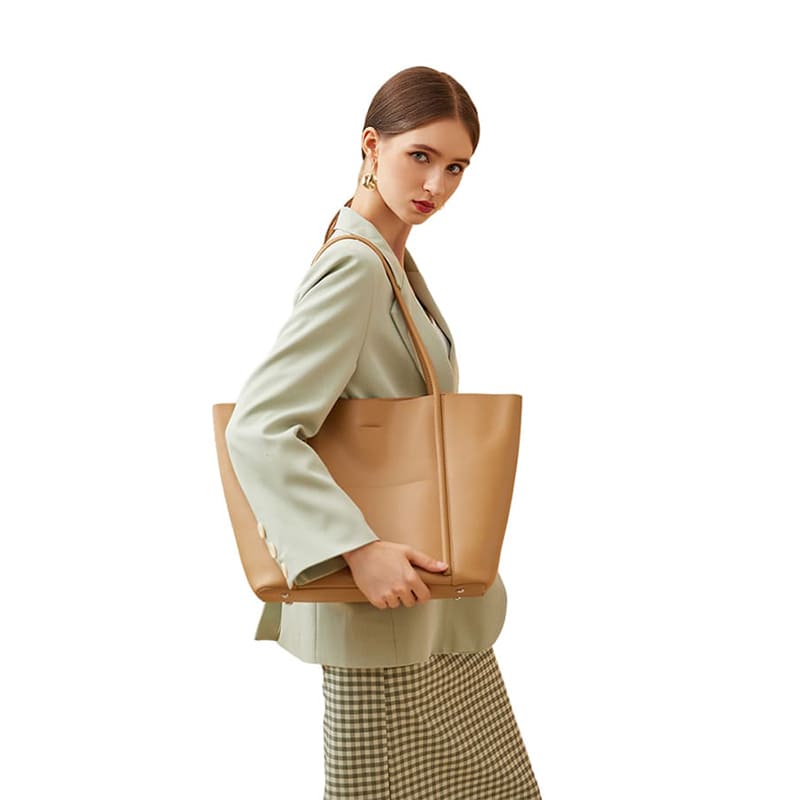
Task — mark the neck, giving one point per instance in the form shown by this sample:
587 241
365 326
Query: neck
370 205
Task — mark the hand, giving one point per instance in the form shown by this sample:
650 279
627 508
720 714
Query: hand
383 572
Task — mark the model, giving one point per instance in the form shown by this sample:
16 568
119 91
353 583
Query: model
415 704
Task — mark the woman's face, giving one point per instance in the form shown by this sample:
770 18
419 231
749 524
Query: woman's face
424 166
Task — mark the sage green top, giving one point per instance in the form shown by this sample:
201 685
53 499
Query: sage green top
345 337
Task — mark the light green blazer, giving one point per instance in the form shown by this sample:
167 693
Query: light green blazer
345 337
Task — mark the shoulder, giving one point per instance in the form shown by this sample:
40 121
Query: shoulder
345 249
346 263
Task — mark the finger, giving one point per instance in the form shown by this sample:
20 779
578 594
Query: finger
422 591
408 599
381 602
427 562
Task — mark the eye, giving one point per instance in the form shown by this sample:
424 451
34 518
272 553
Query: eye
459 169
419 153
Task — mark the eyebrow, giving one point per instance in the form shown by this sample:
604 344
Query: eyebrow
436 152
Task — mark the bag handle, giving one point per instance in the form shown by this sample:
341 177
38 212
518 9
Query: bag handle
431 379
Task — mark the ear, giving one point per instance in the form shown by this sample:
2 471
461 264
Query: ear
369 142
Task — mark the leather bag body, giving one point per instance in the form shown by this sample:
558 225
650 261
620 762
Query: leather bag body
434 471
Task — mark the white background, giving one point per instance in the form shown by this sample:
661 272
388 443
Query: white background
623 252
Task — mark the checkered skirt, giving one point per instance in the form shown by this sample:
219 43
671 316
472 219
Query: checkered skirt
442 729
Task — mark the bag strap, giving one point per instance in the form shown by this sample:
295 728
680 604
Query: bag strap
431 379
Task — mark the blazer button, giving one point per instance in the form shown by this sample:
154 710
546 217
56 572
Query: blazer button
261 532
272 549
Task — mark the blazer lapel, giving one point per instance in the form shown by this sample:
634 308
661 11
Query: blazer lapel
426 298
416 295
421 290
414 290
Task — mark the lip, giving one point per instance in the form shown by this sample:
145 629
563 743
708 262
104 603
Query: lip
423 206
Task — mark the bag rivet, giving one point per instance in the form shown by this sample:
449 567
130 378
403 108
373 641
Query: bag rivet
284 595
460 589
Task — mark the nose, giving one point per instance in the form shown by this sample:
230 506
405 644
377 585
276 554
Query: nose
434 183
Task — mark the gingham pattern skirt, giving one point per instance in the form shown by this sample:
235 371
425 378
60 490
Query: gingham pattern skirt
439 730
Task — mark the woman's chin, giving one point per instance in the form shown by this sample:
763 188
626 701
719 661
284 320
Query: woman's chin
416 217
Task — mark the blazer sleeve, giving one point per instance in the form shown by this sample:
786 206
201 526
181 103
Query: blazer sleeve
306 515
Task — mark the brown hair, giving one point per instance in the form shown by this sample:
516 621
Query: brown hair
415 97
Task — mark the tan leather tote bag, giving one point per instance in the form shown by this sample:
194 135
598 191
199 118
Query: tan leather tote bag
459 450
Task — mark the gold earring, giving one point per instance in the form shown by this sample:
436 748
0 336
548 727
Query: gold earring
368 180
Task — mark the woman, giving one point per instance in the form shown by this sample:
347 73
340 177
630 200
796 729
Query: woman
415 705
